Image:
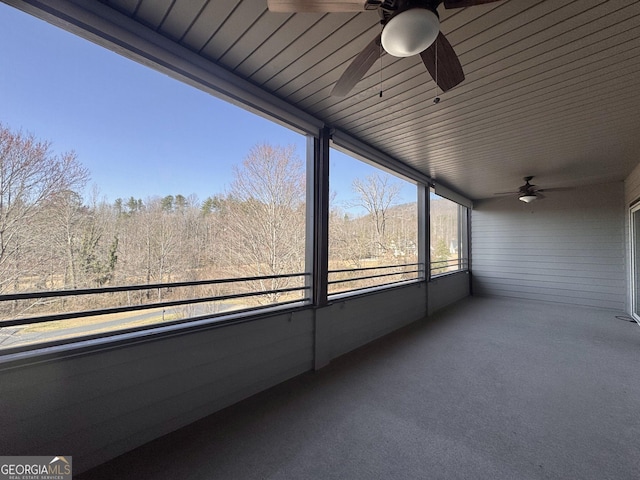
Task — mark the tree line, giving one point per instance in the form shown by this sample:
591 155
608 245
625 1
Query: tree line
53 238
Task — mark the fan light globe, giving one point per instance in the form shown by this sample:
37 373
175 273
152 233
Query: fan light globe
528 198
410 32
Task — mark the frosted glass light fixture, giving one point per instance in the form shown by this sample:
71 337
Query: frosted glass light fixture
410 32
528 198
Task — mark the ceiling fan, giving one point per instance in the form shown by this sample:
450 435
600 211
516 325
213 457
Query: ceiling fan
529 192
410 27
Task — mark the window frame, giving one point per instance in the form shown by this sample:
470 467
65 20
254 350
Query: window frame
353 149
94 23
463 243
634 250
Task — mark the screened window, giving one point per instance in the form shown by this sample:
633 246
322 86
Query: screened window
635 261
129 199
448 236
373 235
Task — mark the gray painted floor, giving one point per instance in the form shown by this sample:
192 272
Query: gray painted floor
487 389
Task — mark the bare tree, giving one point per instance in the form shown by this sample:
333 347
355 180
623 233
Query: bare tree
66 217
444 232
377 193
265 214
30 176
99 243
348 240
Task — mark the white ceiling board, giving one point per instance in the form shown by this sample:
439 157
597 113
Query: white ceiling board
552 88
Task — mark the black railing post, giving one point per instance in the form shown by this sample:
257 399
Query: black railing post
423 229
318 214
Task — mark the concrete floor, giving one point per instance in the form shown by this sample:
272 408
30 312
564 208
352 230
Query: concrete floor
487 389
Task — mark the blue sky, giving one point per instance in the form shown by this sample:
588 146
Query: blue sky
139 132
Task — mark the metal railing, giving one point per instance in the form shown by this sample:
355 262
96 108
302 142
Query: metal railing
202 299
408 272
441 267
146 306
18 324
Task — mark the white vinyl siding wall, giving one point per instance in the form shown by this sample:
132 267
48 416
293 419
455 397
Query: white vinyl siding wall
567 248
348 323
632 187
445 290
631 196
99 404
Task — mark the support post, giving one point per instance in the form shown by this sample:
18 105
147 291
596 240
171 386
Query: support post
424 247
318 214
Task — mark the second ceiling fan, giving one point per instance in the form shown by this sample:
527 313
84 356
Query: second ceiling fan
529 192
410 27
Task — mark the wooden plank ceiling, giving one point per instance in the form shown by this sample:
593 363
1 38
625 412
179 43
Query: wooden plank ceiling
552 87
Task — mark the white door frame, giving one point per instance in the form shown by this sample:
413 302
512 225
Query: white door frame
634 239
